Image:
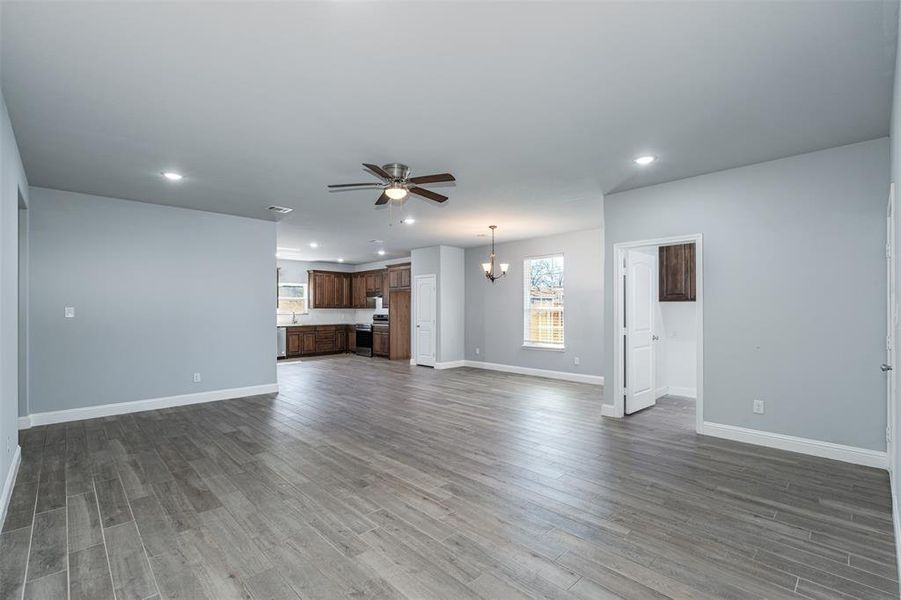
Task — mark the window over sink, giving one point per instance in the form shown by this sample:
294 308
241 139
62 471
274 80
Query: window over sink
292 298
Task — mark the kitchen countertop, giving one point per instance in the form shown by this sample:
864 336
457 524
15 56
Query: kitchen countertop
316 325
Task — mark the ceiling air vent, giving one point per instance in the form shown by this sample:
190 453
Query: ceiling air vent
280 210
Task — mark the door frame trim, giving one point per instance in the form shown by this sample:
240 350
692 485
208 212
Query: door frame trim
619 251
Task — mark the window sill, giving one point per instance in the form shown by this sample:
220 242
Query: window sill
549 347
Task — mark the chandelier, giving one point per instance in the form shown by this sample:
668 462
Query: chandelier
489 266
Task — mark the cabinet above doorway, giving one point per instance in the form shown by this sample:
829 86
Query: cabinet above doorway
677 277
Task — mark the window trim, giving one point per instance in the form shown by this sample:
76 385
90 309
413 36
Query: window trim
530 345
306 299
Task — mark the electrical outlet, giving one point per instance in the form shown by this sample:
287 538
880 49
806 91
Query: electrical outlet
9 445
70 312
196 377
576 361
478 351
758 407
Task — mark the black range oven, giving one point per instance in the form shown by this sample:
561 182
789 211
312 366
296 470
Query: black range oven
364 339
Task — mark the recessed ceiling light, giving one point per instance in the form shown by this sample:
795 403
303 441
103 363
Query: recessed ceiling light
314 244
340 260
645 160
408 221
381 253
173 176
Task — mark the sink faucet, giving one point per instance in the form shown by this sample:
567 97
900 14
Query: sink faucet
293 317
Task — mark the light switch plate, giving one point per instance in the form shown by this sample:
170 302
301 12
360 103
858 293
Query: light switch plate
70 312
758 407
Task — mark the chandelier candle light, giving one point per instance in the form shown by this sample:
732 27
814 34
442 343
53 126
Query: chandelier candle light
489 266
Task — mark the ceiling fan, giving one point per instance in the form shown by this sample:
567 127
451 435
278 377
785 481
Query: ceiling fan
396 183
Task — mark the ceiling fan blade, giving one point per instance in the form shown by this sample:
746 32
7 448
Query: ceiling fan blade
427 194
383 199
349 185
437 178
378 171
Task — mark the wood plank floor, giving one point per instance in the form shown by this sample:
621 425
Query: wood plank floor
370 479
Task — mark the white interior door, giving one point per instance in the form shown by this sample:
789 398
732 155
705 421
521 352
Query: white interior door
426 307
641 291
891 326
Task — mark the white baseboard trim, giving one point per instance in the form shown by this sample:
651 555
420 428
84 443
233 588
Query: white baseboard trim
662 391
609 410
451 364
848 454
685 392
9 484
413 361
563 375
122 408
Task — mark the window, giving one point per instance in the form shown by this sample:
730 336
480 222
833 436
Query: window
292 298
543 302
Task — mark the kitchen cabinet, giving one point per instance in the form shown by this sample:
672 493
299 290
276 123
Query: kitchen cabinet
351 338
311 340
342 291
358 290
676 273
308 343
293 343
330 289
399 324
380 341
399 277
374 282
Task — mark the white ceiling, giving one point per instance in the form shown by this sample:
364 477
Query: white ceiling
537 108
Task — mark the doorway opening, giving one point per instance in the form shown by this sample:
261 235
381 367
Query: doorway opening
658 311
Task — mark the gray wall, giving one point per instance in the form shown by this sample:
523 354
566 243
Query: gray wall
159 293
794 287
494 312
12 185
446 263
451 302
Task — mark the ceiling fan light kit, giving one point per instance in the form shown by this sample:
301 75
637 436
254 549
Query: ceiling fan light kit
488 267
396 183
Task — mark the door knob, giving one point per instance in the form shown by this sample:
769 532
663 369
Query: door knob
886 367
655 338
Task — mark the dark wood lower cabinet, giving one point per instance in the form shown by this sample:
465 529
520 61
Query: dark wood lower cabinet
293 345
310 340
313 340
308 343
380 341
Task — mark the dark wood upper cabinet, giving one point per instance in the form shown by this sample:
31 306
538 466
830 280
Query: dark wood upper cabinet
399 277
676 266
358 290
330 289
373 282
